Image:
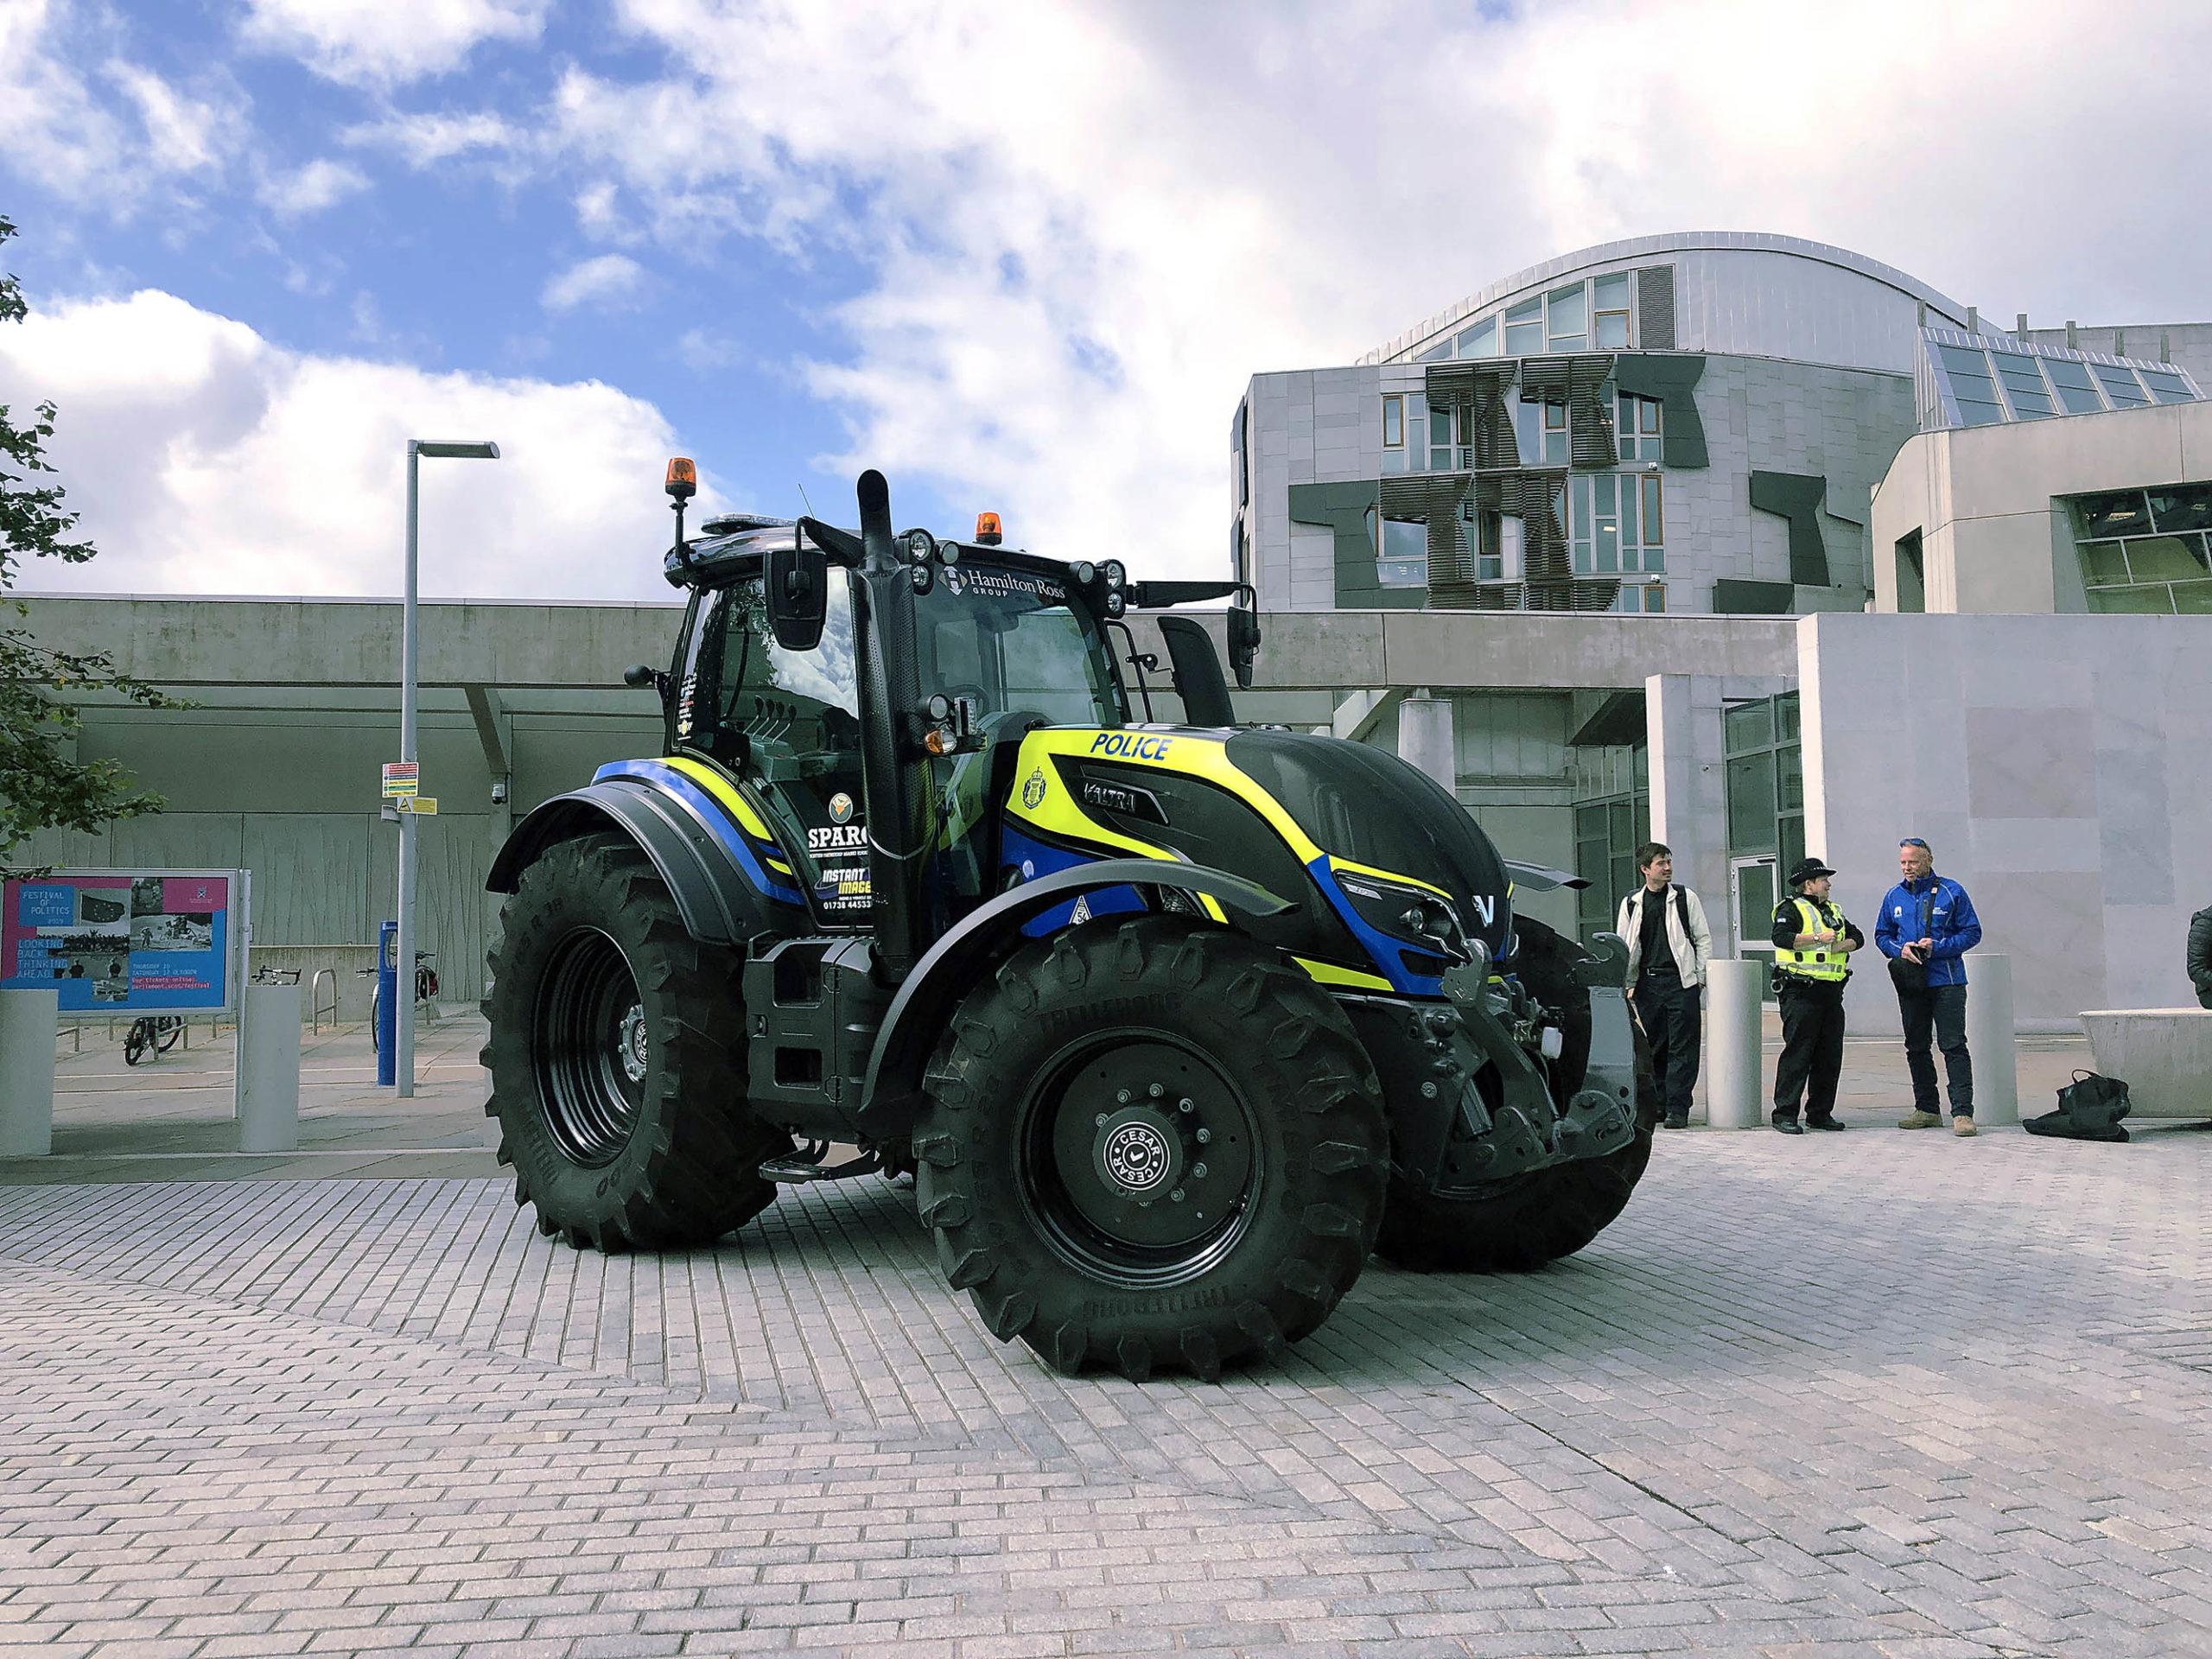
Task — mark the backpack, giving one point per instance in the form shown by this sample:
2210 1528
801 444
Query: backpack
2090 1108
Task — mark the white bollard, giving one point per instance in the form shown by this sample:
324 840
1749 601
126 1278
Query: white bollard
1734 1098
268 1069
1990 1039
28 1021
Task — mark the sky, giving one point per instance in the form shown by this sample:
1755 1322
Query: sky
1021 255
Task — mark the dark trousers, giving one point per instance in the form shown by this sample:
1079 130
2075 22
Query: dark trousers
1672 1014
1812 1050
1940 1011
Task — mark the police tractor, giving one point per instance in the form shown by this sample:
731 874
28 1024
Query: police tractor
1173 1024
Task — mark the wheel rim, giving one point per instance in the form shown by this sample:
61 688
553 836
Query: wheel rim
591 1048
1139 1158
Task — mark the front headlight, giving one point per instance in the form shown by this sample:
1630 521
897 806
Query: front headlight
1419 916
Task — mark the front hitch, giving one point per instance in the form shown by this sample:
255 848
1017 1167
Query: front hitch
1440 1109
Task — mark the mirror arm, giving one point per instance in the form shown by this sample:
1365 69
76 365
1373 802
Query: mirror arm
1141 661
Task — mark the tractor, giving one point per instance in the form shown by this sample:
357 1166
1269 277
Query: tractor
1172 1025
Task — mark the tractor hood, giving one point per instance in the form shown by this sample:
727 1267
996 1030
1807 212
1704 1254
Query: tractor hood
1365 806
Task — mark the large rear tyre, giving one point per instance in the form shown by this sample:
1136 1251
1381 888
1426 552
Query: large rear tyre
616 1059
1515 1225
1153 1146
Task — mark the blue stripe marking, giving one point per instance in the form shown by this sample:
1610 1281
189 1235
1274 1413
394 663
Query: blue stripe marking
1380 945
710 812
1032 859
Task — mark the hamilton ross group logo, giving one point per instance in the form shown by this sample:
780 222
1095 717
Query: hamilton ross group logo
1032 791
841 807
954 579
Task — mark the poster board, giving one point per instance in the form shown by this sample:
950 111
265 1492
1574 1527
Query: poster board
126 942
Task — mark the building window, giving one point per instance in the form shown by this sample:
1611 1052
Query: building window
1617 524
1647 598
1480 340
1568 318
1610 296
2024 386
1636 424
1400 551
1912 580
1394 421
1524 328
2145 550
2071 377
2121 390
2167 388
1441 435
1972 388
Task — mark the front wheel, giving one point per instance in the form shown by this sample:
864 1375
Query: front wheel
133 1043
1154 1146
616 1054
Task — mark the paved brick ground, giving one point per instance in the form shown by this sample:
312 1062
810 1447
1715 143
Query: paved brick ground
1865 1394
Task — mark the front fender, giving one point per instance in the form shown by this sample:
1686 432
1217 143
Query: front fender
925 1001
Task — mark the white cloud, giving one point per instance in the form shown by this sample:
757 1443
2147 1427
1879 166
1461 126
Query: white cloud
609 282
387 42
425 140
1084 226
320 184
51 124
184 134
205 459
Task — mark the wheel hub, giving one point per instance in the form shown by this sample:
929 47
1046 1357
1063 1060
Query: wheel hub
1139 1156
1137 1153
634 1043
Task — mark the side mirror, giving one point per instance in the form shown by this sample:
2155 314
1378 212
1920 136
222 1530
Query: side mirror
797 584
1243 642
1196 673
638 677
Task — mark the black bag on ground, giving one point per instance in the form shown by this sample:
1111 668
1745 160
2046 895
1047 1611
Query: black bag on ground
2090 1108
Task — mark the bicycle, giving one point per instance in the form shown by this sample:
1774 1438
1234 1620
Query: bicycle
151 1034
426 996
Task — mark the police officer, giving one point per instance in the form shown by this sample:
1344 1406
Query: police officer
1813 944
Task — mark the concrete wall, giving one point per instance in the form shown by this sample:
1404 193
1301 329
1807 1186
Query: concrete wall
1982 498
2056 766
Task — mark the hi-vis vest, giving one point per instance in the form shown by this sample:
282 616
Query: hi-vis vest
1815 964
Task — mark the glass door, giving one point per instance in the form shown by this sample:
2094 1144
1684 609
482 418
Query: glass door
1753 891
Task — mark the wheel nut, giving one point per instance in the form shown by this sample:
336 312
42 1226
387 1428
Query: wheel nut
1428 1092
1176 1196
1158 1090
1198 1169
1121 1096
1184 1106
1204 1136
1100 1120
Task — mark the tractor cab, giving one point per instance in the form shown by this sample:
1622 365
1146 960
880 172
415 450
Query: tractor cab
976 645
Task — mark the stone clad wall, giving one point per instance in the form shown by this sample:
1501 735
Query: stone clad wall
2057 765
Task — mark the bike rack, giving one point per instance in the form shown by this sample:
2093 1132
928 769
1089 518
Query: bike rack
315 997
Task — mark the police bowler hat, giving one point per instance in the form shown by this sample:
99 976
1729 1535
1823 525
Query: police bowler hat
1807 869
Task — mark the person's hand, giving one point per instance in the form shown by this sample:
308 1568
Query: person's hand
1826 936
1924 945
1910 952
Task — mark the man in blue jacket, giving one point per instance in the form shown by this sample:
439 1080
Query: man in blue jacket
1927 926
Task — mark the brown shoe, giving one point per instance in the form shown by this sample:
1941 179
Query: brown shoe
1919 1121
1963 1126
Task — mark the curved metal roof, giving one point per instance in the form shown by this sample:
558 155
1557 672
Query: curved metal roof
1638 247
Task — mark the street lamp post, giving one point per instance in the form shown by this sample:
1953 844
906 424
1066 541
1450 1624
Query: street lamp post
402 1025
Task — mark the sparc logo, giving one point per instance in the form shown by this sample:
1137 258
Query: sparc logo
841 807
1032 791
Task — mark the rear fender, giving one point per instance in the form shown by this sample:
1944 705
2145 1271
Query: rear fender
958 962
692 851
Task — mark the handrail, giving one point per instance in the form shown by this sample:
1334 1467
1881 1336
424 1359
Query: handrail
315 997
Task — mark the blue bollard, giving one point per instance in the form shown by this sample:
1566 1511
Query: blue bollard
387 1004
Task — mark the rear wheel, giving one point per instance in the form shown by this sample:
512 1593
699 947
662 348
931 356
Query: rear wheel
616 1071
1152 1147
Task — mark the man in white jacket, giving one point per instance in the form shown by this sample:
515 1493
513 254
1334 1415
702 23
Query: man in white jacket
1668 945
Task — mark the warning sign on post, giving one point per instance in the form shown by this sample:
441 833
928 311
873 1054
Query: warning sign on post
420 806
402 778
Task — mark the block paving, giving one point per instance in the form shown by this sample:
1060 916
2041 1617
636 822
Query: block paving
1864 1394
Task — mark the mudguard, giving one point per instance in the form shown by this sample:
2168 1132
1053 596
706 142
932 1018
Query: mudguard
699 854
916 1017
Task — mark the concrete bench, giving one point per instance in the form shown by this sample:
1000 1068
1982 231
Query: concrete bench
2164 1055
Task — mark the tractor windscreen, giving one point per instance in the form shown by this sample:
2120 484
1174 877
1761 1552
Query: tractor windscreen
1012 641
